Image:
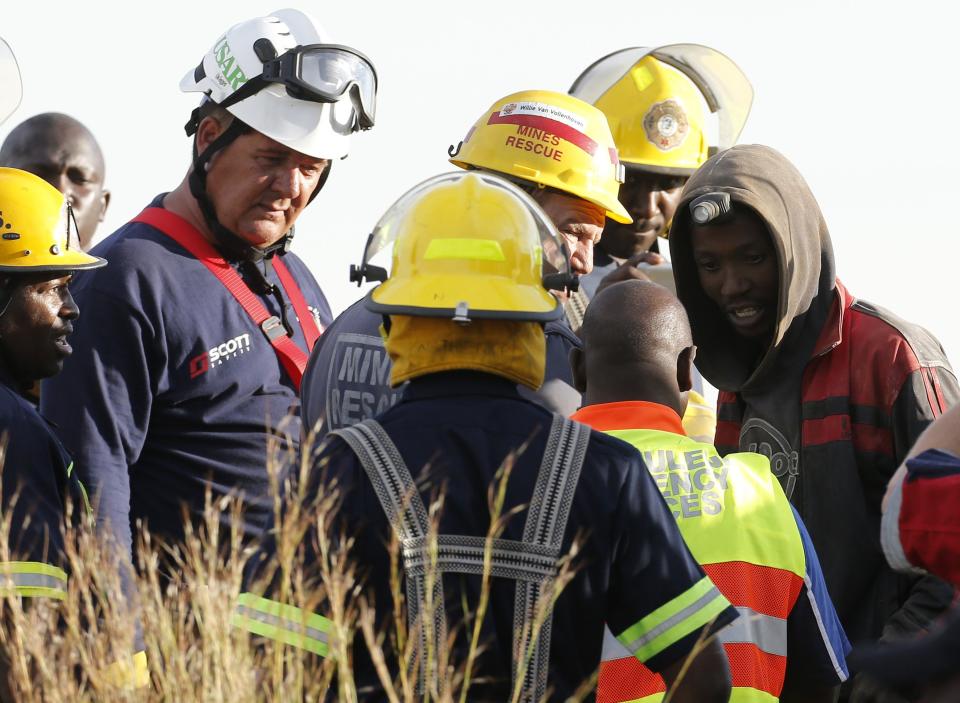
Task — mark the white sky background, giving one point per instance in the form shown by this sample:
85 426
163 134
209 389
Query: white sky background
863 97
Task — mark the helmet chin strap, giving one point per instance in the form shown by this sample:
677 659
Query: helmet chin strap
231 245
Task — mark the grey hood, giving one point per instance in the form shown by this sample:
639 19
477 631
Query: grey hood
762 179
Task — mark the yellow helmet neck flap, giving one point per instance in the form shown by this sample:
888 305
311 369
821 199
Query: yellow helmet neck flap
423 345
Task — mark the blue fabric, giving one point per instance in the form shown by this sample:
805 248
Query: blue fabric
456 430
818 644
172 389
933 463
35 475
348 377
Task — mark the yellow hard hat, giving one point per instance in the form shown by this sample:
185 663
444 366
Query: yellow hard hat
654 100
35 227
551 139
466 246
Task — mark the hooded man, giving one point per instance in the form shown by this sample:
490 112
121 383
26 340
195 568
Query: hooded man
834 390
466 301
190 369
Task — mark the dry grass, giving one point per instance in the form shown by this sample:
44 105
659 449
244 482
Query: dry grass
60 651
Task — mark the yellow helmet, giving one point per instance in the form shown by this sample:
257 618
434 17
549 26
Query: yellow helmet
35 227
551 139
466 246
654 101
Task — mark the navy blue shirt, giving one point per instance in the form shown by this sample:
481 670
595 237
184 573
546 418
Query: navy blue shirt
455 430
38 482
348 377
172 389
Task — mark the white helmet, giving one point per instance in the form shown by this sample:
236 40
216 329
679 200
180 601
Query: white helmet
11 88
282 77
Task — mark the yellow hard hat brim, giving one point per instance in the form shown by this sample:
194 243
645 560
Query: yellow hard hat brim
659 169
67 261
438 295
617 212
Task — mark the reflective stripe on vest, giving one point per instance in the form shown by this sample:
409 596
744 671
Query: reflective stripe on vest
32 579
531 562
738 524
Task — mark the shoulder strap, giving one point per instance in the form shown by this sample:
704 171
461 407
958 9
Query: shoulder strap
532 563
391 479
311 329
293 359
546 523
401 501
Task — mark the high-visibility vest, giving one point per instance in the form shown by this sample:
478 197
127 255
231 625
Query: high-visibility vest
738 524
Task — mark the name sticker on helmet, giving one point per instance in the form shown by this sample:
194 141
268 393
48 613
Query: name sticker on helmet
229 66
548 124
542 110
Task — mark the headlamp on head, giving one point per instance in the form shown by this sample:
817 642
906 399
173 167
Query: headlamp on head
710 207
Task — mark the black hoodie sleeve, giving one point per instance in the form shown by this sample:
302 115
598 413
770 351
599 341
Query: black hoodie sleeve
926 394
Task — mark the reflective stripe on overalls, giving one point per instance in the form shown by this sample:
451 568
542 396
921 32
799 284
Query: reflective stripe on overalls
532 562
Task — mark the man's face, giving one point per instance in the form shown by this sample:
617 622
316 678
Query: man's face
738 270
259 187
35 325
579 222
73 165
651 200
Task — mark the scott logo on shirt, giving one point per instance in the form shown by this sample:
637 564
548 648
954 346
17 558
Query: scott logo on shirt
219 354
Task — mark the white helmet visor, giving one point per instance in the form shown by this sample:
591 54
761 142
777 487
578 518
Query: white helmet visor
323 73
11 87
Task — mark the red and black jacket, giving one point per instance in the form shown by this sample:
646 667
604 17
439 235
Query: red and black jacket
873 383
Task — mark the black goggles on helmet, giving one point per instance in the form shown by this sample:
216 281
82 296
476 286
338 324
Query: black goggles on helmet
323 73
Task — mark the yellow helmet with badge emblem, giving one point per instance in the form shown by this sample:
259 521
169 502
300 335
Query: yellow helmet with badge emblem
35 227
467 246
655 101
550 139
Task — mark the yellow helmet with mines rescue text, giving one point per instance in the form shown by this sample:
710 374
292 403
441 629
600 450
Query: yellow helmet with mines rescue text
550 139
654 100
35 228
466 246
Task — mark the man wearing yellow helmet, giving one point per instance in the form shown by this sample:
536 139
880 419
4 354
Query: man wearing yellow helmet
466 301
37 260
657 103
557 148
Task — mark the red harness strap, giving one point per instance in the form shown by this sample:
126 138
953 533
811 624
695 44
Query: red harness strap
293 359
311 330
